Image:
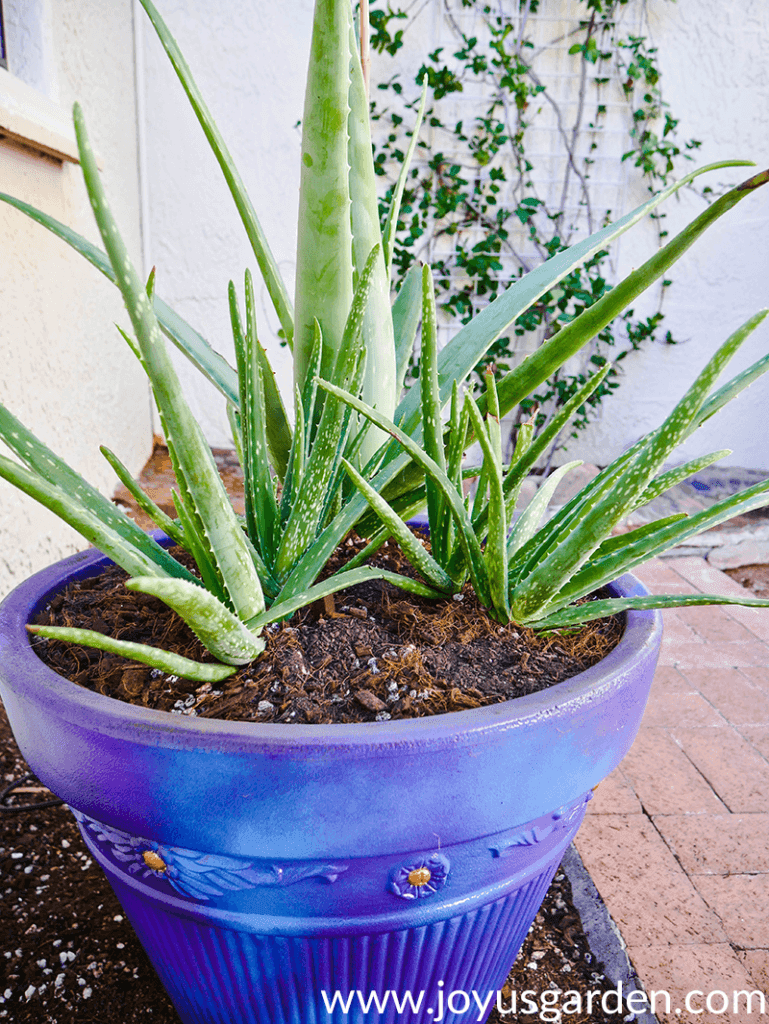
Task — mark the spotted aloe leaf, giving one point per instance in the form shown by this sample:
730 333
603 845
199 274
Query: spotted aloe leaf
196 470
166 661
575 615
220 632
537 592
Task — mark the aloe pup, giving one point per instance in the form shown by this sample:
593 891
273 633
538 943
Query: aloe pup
308 483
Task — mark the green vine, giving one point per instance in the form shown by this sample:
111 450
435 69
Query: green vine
476 207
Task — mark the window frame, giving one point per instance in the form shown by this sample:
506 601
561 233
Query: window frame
3 44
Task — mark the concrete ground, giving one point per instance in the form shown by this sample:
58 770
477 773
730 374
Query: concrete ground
677 839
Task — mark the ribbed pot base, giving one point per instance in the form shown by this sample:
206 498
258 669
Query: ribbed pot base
218 976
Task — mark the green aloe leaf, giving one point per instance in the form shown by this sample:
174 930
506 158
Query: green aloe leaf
75 492
432 424
341 581
551 574
406 312
527 523
324 271
97 532
391 223
305 517
267 264
214 367
665 481
166 661
379 371
473 553
196 470
143 500
577 614
411 546
220 632
491 475
622 557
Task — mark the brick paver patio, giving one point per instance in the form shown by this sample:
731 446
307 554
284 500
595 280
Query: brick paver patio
677 838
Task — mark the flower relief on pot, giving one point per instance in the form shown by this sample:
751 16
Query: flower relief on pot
565 817
420 876
191 873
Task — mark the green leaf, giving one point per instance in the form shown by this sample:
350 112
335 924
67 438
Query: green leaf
216 369
527 523
432 424
220 632
115 546
341 581
411 546
469 345
577 614
406 312
551 574
324 262
143 500
74 492
267 264
305 517
166 661
196 470
467 537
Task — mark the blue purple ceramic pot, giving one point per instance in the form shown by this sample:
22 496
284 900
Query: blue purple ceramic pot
263 866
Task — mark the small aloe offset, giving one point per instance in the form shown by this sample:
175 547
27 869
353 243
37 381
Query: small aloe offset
363 451
530 575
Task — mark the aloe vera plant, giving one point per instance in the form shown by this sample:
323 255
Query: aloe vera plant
357 442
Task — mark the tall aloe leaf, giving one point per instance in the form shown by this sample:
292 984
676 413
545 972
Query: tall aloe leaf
379 378
198 469
264 257
470 343
406 312
324 271
305 517
432 424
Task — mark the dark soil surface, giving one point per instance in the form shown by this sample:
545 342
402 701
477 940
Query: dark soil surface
752 577
69 956
371 653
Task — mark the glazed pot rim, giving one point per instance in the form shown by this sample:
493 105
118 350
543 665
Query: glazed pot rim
77 703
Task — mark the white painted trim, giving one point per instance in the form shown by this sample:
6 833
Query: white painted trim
30 119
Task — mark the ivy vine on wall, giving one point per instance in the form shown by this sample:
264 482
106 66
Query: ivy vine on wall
481 205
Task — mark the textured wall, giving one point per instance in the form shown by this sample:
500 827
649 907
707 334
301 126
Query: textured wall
250 63
715 65
65 371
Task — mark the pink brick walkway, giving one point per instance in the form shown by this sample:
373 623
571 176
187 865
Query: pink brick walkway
677 838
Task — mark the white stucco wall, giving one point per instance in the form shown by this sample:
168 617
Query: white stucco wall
715 64
249 61
65 371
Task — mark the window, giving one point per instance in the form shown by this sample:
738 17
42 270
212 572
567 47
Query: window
3 54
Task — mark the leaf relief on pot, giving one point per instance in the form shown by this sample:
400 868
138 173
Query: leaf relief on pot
542 828
420 876
197 875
